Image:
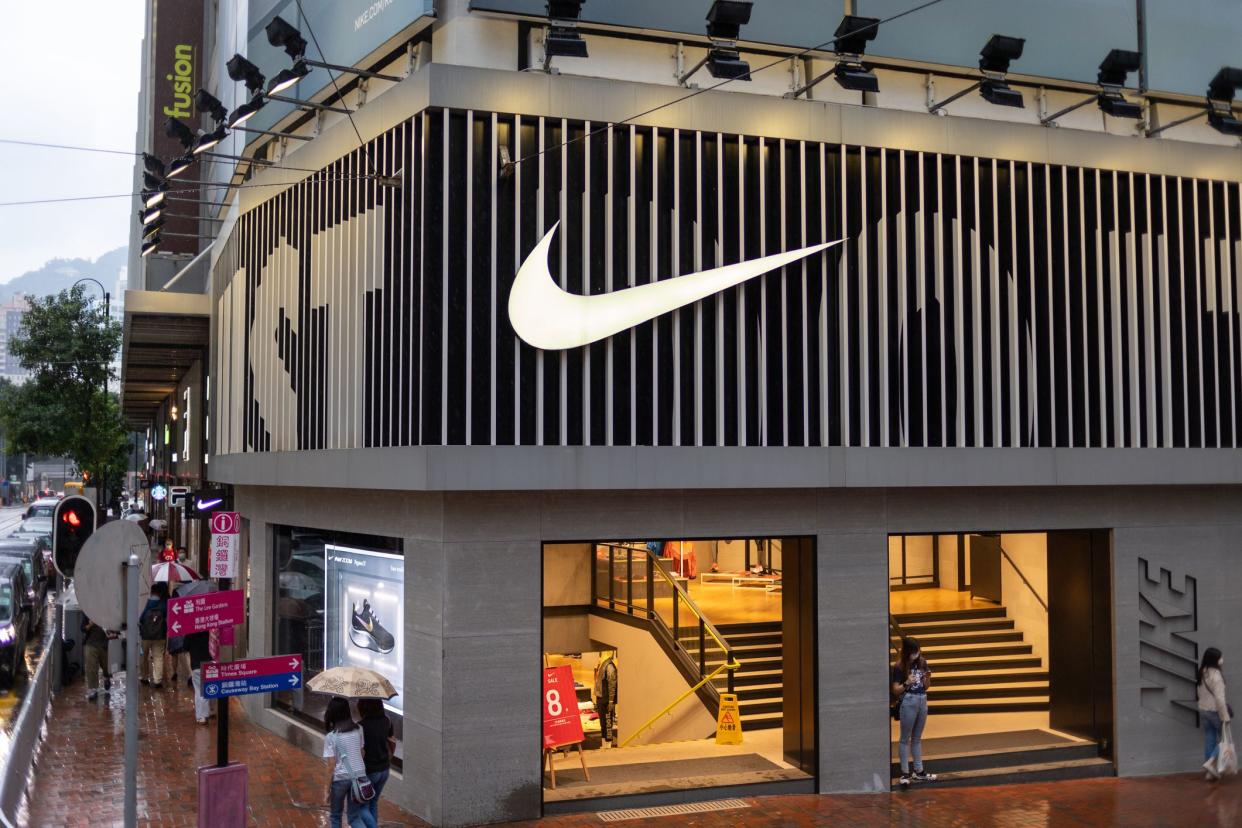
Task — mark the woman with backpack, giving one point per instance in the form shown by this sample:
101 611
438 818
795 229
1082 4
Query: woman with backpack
153 629
342 747
1213 708
909 681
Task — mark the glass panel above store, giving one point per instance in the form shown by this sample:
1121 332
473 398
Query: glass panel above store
1065 39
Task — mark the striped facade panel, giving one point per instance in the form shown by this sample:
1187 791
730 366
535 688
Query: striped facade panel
974 302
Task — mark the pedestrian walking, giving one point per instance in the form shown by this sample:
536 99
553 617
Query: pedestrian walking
1213 707
342 747
910 679
95 657
376 750
153 629
198 649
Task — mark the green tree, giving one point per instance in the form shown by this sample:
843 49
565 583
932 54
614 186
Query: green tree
67 344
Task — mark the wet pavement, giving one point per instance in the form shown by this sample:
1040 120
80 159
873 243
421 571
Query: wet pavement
79 780
1183 801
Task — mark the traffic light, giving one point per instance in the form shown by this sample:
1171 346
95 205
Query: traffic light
72 524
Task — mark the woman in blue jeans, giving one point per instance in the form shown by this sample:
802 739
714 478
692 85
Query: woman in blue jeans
910 679
342 747
376 731
1213 707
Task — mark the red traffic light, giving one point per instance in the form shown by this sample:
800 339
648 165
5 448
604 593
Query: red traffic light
72 519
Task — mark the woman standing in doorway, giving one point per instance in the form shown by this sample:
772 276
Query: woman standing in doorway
909 681
1213 707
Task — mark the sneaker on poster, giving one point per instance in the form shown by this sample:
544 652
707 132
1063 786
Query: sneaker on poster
368 633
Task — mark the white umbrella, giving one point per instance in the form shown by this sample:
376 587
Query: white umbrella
195 588
136 517
172 572
158 524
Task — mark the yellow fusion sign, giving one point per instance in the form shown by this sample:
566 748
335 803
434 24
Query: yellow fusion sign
728 721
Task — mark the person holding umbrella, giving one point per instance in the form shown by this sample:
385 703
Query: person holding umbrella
369 687
342 747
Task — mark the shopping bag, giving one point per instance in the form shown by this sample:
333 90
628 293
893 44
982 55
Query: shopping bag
1226 754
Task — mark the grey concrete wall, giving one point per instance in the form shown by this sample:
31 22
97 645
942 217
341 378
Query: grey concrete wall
474 585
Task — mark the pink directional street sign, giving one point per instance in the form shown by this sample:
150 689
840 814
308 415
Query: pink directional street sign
201 613
254 675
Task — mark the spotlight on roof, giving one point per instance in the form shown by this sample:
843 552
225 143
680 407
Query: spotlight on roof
994 60
152 230
288 77
150 214
174 128
1118 65
997 53
283 35
152 196
180 164
1114 69
727 64
564 41
1220 94
562 38
209 139
152 164
204 101
852 36
149 247
244 71
245 112
726 18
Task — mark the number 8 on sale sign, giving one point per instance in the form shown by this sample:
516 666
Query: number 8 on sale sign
562 724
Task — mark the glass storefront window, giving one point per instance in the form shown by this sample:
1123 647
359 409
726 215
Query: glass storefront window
339 601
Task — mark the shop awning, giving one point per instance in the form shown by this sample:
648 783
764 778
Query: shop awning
164 334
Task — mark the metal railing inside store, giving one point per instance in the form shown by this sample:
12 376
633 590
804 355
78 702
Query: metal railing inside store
635 581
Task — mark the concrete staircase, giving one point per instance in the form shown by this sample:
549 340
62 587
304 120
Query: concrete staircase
758 683
979 662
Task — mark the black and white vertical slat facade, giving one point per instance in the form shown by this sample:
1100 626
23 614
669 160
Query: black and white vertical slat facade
975 302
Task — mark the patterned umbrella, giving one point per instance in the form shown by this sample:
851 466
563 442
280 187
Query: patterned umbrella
352 683
172 572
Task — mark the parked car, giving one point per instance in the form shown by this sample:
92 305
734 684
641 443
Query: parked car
15 614
37 524
43 507
29 553
44 540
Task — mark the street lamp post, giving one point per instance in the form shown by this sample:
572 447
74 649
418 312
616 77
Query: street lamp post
101 489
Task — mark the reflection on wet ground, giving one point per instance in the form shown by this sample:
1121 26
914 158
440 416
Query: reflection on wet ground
1179 801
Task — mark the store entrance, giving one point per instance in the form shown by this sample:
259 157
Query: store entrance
1016 631
692 665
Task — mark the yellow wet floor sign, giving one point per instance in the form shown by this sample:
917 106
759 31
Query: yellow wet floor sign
728 721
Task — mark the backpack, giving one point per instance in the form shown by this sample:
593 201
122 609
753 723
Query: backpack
153 625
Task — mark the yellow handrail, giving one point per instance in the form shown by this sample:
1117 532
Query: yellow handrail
698 614
733 665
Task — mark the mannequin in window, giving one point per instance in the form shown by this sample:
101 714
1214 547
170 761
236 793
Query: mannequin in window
606 699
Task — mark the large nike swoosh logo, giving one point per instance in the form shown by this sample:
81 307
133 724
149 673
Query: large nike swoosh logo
549 318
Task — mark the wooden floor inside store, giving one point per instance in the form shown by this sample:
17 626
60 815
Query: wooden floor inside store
932 599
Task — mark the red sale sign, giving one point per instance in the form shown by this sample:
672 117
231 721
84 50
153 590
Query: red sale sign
562 724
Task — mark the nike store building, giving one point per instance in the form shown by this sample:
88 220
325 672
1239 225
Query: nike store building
885 372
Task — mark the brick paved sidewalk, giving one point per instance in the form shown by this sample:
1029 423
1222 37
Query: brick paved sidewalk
1183 801
79 783
79 778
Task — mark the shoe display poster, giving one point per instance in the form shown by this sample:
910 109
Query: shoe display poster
364 613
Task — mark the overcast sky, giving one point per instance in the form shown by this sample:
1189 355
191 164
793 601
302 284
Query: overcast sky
68 74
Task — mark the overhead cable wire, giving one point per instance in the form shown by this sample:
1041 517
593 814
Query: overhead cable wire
324 59
262 162
178 191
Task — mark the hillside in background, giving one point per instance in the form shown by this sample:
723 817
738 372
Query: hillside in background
60 274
